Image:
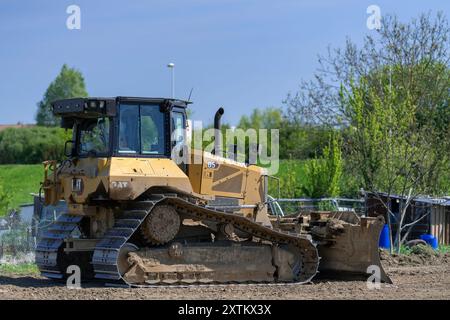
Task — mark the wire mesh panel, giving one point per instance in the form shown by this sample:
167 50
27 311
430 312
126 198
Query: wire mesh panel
304 205
20 229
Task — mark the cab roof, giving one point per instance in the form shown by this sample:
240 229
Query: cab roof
177 102
93 106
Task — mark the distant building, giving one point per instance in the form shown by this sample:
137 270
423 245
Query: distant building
18 125
435 213
26 213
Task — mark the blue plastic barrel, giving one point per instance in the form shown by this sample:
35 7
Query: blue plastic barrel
430 239
384 242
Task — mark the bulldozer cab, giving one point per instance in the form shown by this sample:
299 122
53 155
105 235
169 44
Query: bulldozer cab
141 143
123 127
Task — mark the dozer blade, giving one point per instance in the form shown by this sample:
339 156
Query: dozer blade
353 249
221 262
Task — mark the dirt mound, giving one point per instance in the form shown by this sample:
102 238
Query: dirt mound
418 256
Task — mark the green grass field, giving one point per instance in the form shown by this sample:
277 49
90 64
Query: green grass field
21 269
20 181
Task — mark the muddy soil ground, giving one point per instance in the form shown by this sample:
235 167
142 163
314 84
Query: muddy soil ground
413 279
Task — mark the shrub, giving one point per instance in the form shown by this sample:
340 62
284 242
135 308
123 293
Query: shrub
32 145
323 175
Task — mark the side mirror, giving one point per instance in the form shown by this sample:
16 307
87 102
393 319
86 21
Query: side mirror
68 153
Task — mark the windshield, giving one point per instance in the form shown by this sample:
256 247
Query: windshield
141 130
94 137
128 129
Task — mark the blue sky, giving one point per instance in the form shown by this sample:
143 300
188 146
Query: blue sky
236 54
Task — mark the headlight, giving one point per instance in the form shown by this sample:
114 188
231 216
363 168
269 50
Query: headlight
77 185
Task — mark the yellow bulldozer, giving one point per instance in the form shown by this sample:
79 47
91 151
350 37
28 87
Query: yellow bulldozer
136 215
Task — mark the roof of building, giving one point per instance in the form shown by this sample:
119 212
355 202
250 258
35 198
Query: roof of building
18 125
440 201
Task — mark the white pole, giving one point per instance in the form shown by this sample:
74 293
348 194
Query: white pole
172 66
173 83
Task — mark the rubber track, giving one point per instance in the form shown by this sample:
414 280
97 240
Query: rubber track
106 252
49 244
107 249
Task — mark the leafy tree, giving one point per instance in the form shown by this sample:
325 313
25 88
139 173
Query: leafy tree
269 118
297 141
302 141
411 57
68 84
416 54
200 134
390 99
391 148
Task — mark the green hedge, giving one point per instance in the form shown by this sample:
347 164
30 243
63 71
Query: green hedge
32 145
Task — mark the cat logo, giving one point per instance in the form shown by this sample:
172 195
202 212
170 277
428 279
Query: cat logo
119 184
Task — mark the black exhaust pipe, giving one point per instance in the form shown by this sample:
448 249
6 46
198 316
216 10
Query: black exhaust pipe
217 125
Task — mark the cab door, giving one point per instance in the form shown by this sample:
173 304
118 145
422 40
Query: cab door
179 152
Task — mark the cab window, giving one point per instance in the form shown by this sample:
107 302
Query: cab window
129 129
178 134
94 137
152 130
141 130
